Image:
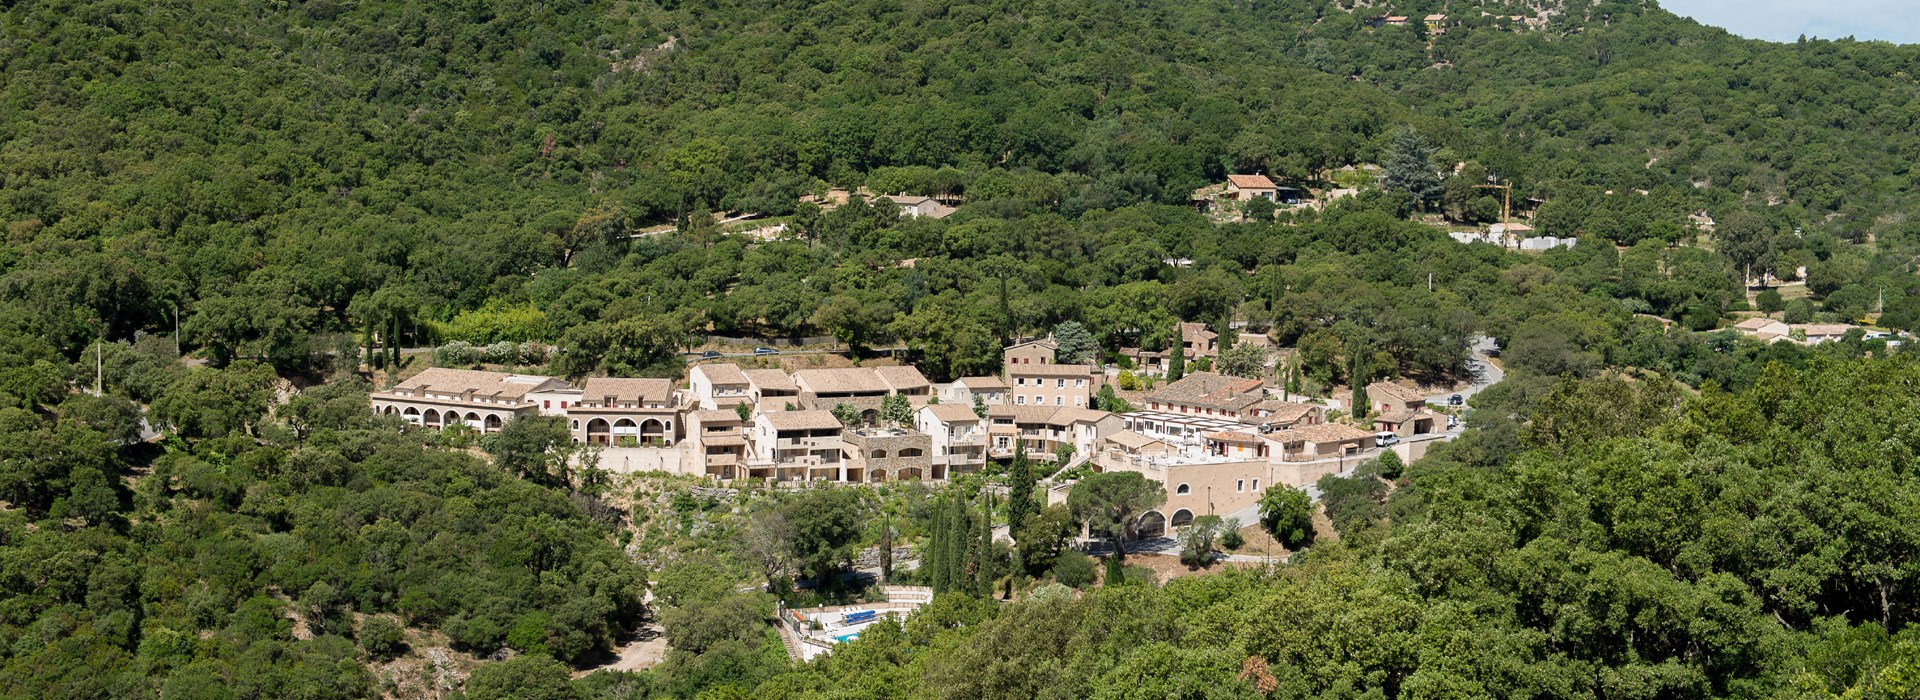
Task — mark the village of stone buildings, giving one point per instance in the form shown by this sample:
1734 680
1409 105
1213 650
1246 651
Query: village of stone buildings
1214 441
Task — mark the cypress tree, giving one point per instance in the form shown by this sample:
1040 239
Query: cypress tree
957 529
1177 363
1020 485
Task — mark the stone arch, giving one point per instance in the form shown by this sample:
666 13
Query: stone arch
1150 524
411 412
870 417
652 431
493 423
877 454
1182 490
432 418
473 419
908 474
912 452
599 431
1181 518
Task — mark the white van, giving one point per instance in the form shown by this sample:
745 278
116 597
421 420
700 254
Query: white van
1385 438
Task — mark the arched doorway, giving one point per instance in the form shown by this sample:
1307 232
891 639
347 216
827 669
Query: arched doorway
1150 524
869 417
473 420
598 432
1181 518
432 419
626 433
653 432
493 423
908 474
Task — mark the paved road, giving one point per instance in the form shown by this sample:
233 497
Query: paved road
1485 374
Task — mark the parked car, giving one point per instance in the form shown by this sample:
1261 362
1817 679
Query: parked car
1453 422
1455 400
1385 438
764 350
710 355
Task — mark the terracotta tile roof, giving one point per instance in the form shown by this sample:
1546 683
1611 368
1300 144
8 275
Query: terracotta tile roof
1046 342
1068 415
1824 329
1393 392
1130 440
1251 182
1022 414
981 383
1211 390
1436 18
1232 436
1396 416
714 416
1191 332
1324 432
628 389
802 420
1754 324
728 373
1051 370
458 381
1283 411
952 413
770 379
902 378
848 380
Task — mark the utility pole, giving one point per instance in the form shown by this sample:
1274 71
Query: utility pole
99 365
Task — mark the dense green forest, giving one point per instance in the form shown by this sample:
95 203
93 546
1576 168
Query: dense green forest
214 203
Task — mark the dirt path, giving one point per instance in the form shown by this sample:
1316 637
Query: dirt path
644 651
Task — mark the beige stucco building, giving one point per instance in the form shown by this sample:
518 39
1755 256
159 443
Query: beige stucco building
485 401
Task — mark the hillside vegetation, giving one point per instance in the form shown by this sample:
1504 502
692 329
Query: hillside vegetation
215 204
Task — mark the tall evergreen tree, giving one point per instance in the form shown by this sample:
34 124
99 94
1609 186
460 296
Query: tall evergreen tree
1020 484
1177 362
1409 168
1358 373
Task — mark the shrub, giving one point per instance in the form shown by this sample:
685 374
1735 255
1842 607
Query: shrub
382 636
1230 537
505 352
1129 381
1074 569
458 353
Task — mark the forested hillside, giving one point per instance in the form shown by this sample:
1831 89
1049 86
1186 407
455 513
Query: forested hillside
211 205
273 173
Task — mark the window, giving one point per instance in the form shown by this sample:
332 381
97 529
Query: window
1079 400
1059 383
1256 484
1020 399
1182 490
1019 381
546 403
1079 382
1239 485
1059 400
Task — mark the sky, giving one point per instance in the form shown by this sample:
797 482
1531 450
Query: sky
1785 20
